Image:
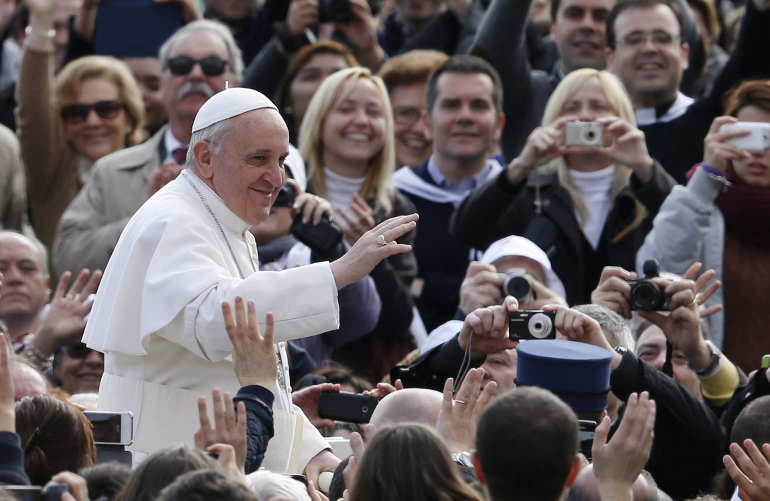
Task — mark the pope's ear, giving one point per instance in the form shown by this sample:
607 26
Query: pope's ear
203 155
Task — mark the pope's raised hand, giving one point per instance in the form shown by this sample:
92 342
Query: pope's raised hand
374 246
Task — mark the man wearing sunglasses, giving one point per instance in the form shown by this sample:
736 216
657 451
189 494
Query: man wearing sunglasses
465 120
197 62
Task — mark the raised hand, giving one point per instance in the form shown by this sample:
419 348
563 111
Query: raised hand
307 400
753 477
226 429
359 219
459 415
253 354
717 150
490 329
613 290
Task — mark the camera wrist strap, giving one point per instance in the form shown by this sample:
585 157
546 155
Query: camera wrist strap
668 368
465 366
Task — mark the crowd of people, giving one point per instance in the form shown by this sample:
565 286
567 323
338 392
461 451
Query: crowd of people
525 239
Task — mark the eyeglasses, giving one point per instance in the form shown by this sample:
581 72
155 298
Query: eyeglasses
77 113
660 39
212 66
406 115
79 350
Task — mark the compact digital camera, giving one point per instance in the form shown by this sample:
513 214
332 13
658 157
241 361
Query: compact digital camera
583 134
531 324
516 283
645 294
340 11
757 140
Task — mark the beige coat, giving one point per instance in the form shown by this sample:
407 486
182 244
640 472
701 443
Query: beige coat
90 227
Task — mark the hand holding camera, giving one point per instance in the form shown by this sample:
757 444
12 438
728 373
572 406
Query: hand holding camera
730 140
489 327
480 288
576 326
628 148
613 290
543 145
66 486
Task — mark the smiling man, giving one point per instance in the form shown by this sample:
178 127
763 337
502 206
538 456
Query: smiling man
158 314
464 119
647 52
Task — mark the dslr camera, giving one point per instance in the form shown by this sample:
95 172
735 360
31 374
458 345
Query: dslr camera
516 283
583 134
340 11
645 294
758 138
531 324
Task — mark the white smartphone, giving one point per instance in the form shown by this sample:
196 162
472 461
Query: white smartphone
113 428
340 446
758 138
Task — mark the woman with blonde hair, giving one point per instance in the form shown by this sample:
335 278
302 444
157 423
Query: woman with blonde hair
92 108
586 197
346 140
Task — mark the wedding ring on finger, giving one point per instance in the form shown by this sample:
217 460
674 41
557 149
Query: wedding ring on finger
463 402
381 240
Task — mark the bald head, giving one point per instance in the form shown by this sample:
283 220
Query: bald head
27 381
411 405
586 488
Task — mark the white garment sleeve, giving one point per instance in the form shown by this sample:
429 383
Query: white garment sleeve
303 301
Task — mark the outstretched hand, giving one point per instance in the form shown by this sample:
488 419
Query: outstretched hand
253 354
65 321
753 477
460 414
618 463
226 430
367 252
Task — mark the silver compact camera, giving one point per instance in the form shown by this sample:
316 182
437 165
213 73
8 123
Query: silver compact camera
583 134
531 324
516 283
757 140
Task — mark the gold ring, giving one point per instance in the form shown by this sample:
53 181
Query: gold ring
697 300
461 402
69 296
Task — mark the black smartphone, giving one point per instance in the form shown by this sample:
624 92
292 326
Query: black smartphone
346 407
134 28
586 434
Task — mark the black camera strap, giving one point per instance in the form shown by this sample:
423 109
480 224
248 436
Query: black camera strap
465 366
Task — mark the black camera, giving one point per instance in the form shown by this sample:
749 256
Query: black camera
324 238
517 284
340 11
531 324
645 294
286 196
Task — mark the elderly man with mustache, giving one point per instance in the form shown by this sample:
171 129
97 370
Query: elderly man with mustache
198 61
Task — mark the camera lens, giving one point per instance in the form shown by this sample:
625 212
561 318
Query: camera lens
540 325
646 295
517 286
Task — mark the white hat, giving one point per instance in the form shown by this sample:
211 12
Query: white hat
228 104
523 247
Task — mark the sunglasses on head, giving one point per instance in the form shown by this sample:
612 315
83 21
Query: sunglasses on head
77 113
212 66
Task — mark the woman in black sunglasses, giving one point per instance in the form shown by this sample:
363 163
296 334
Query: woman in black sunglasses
92 108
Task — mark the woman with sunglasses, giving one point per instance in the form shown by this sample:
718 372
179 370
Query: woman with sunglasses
92 108
77 369
346 140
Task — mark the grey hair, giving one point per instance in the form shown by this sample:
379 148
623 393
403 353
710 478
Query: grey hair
37 244
610 321
214 134
236 60
266 485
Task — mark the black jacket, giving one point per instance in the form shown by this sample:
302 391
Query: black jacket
497 209
259 422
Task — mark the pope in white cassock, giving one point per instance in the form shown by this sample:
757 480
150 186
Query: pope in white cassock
157 316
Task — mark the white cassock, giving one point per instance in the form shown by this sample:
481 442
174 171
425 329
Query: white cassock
158 319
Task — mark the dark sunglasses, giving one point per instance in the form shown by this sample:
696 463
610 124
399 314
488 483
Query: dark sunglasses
79 351
77 113
212 66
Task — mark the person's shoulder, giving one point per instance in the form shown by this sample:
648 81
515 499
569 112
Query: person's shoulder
401 204
132 157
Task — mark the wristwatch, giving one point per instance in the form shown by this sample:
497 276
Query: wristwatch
714 363
464 458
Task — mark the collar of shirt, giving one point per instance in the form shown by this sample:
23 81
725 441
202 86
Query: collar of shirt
665 112
172 143
221 211
464 187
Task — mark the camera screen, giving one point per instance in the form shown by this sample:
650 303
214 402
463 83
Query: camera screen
106 427
23 492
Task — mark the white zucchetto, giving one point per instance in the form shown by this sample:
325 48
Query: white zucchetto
228 104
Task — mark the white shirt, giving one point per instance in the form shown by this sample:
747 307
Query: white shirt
340 191
594 188
157 314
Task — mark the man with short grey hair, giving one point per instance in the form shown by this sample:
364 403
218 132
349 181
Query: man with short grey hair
196 62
